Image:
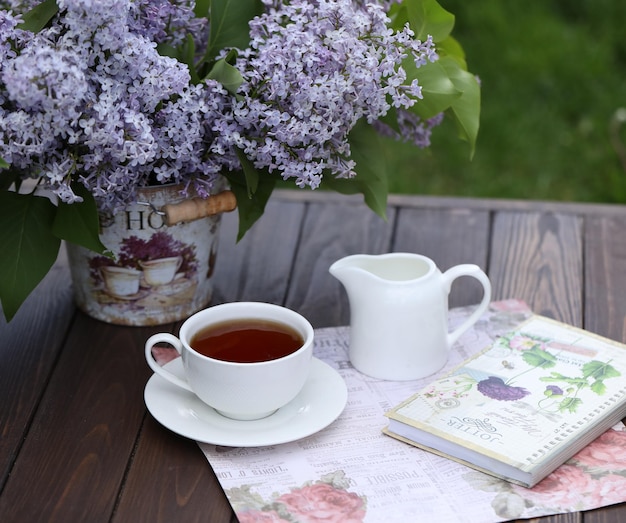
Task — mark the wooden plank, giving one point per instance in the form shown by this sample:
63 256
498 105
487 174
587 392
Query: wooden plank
257 268
449 237
29 346
605 277
77 449
612 514
458 202
176 482
537 257
329 233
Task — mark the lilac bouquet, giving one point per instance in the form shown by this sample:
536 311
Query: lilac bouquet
99 98
88 103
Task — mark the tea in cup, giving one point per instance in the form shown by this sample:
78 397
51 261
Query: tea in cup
244 359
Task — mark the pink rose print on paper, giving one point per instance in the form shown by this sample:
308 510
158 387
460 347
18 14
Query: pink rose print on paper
522 342
164 355
258 516
593 478
323 503
567 485
605 454
560 490
511 305
610 490
325 500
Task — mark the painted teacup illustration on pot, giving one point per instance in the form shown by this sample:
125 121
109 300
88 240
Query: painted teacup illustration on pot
161 271
121 281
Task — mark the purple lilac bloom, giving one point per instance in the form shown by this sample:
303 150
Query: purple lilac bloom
166 21
494 388
89 98
8 33
313 69
412 129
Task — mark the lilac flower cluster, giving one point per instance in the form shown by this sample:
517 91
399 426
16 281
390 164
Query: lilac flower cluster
165 21
312 71
90 98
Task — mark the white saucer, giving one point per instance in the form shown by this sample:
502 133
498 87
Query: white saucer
318 404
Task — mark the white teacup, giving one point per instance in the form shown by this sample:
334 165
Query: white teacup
121 281
161 271
242 391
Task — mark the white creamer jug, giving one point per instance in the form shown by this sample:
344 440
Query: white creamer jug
399 312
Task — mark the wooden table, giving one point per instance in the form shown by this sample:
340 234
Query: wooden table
76 442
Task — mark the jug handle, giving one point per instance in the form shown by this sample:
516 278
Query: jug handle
476 272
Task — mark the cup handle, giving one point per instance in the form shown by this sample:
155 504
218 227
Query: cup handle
165 337
474 271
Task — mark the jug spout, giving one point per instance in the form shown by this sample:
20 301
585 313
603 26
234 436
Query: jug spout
351 271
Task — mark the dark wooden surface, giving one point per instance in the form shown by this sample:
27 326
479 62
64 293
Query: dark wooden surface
76 442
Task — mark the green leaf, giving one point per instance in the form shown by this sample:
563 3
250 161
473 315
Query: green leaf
536 357
250 205
250 173
452 48
598 387
79 222
438 89
599 370
466 108
371 168
3 164
29 247
8 178
425 17
447 87
226 74
201 9
229 20
570 404
39 16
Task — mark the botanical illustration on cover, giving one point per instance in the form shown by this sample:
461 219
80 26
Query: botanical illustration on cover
537 386
521 362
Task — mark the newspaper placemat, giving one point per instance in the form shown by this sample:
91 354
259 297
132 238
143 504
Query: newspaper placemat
350 472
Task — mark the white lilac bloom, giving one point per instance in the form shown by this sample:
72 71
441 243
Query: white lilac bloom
312 71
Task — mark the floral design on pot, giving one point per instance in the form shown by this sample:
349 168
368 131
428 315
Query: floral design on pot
156 274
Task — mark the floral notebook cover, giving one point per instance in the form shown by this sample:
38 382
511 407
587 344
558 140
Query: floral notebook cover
522 407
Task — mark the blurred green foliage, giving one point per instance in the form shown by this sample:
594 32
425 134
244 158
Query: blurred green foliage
553 76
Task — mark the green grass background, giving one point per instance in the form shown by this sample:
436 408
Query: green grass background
553 75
